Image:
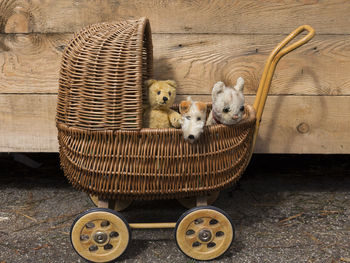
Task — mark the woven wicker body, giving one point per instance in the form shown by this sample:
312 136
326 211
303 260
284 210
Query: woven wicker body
103 148
154 163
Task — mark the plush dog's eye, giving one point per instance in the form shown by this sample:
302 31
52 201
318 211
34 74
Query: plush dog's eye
158 92
226 109
188 117
241 108
169 93
198 118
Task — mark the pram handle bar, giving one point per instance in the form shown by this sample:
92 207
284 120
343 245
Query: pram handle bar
270 66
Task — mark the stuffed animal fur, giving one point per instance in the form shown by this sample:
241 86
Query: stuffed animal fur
161 95
228 103
193 118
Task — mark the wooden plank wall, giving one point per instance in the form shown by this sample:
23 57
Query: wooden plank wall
196 43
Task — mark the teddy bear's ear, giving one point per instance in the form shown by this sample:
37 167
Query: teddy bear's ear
149 82
217 89
171 83
185 106
239 84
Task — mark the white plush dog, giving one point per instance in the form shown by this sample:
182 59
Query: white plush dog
228 103
193 118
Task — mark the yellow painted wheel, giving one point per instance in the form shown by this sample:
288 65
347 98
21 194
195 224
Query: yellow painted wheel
204 233
119 205
190 202
100 235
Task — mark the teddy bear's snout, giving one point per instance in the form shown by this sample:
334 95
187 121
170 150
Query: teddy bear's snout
165 99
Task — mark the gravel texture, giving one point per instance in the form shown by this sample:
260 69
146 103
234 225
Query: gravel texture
286 208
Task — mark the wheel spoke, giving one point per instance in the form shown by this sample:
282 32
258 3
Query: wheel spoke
191 239
206 221
114 241
216 228
203 248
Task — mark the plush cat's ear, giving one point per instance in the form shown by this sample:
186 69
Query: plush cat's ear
185 106
171 83
149 82
239 84
217 89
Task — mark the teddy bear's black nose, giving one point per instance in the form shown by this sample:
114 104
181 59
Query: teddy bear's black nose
165 98
191 137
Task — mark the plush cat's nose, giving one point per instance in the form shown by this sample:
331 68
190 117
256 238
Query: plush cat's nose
165 98
235 117
191 137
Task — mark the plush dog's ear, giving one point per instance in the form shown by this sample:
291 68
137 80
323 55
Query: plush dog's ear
202 106
171 83
185 106
239 84
149 82
217 89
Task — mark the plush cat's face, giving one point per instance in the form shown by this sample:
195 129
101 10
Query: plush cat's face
228 102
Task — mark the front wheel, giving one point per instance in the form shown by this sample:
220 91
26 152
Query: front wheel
204 233
100 235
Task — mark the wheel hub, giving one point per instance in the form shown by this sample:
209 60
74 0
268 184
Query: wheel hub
100 237
204 235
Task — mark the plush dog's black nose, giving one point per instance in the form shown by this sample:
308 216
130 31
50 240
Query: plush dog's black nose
191 137
165 98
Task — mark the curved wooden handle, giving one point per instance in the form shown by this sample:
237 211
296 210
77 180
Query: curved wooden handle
280 50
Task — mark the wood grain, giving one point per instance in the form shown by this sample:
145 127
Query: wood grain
291 124
181 16
29 63
27 123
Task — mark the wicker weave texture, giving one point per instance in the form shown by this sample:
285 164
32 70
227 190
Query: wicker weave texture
155 163
102 72
104 150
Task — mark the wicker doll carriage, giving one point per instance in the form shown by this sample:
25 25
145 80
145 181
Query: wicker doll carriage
105 152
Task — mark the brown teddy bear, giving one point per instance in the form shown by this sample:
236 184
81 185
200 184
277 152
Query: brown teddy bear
161 95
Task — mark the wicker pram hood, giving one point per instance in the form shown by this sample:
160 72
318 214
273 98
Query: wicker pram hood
102 71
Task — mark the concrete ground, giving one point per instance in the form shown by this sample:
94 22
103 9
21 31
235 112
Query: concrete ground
285 209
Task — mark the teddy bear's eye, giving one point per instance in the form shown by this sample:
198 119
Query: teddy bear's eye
198 118
169 93
188 117
226 109
241 108
158 92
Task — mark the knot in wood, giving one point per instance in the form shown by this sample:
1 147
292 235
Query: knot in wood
303 128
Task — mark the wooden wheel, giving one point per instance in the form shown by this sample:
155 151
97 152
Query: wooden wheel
204 233
119 205
100 235
190 202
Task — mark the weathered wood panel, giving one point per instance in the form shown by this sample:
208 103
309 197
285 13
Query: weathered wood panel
27 123
209 16
291 124
30 63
